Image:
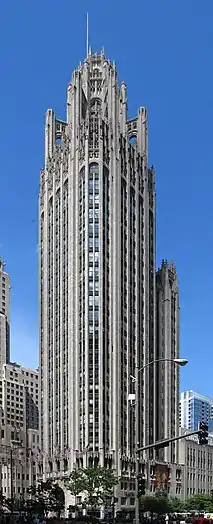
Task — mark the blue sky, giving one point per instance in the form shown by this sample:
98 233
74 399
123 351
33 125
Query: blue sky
163 50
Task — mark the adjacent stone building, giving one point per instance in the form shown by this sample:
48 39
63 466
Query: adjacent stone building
19 428
19 405
197 464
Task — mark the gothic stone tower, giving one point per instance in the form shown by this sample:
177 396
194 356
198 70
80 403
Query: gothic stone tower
97 275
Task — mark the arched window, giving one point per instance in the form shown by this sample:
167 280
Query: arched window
95 105
94 169
133 140
96 72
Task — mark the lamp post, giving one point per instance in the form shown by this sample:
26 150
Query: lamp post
179 362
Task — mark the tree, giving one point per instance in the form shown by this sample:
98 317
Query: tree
57 499
45 497
199 502
95 484
175 505
156 504
2 500
15 504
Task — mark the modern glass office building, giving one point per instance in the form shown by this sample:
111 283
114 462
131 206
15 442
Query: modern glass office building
194 408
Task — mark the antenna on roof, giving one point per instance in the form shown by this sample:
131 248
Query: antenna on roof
87 36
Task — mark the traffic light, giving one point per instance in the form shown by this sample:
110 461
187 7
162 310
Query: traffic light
203 433
141 486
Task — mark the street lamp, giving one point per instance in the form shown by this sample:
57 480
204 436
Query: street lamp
180 361
177 361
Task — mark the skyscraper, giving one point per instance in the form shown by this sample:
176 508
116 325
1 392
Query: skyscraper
168 347
97 274
4 316
195 408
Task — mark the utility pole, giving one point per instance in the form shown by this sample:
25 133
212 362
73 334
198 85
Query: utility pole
179 362
137 444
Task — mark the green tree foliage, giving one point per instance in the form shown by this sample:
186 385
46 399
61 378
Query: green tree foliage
175 505
156 504
199 502
43 498
46 497
162 504
16 504
9 504
96 485
2 500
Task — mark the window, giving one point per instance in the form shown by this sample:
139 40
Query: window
94 169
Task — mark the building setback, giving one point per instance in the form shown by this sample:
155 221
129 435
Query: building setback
96 276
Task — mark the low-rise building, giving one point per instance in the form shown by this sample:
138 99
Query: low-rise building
19 411
198 466
19 438
19 461
165 477
19 398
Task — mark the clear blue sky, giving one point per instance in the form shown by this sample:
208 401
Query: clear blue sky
163 50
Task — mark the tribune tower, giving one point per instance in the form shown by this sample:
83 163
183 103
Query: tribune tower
97 275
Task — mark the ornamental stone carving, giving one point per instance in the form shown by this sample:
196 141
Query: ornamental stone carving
42 182
50 163
50 182
65 165
57 176
140 183
65 160
42 188
82 142
58 150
